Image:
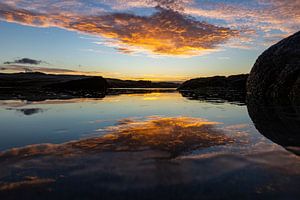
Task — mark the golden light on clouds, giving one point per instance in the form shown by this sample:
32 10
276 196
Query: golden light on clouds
165 32
164 27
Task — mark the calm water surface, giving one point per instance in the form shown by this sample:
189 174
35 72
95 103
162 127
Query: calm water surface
140 146
56 121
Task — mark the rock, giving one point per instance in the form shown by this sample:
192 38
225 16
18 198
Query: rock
231 88
273 92
275 77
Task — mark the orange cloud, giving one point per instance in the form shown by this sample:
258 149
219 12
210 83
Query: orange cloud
169 30
166 32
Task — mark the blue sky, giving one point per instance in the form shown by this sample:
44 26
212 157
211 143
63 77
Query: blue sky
160 40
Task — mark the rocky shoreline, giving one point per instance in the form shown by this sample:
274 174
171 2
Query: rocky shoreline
231 88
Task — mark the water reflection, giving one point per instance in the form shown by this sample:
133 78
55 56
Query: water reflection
154 157
281 124
142 148
27 111
233 97
172 135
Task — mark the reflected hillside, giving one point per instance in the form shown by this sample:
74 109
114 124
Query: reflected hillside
237 99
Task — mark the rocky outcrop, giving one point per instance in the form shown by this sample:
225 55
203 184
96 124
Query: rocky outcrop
273 93
231 88
275 77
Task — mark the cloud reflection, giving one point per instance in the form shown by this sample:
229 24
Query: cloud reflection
134 158
173 135
28 111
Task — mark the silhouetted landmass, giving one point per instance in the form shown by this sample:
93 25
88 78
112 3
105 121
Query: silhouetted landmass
273 93
231 88
86 84
117 83
39 86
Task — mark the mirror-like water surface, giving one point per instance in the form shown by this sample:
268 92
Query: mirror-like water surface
140 146
56 121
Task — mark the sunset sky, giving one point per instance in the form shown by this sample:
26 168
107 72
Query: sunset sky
170 40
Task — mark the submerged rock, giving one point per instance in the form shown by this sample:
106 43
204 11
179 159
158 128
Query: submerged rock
273 93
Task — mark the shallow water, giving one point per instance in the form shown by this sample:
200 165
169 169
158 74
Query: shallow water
140 146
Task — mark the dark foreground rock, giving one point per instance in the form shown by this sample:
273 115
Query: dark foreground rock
273 93
231 88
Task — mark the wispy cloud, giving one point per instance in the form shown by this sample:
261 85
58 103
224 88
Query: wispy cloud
25 61
263 20
22 68
14 68
165 27
165 32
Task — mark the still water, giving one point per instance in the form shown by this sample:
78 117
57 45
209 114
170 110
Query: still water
140 146
57 121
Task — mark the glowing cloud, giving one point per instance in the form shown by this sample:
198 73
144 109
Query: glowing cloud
165 32
164 27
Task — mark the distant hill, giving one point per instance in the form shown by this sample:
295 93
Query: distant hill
231 88
39 86
117 83
234 81
34 79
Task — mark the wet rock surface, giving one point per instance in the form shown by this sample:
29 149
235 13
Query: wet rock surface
273 93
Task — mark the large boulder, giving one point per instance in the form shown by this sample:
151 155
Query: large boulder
273 93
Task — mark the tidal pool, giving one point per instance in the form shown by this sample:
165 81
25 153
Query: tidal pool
156 145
